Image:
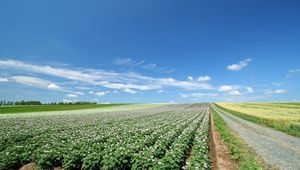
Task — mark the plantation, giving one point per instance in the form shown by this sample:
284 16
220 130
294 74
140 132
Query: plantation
168 137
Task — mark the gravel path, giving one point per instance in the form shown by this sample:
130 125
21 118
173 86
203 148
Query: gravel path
276 148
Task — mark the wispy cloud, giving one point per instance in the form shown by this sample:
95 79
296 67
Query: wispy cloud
150 66
198 95
277 84
108 79
79 93
71 95
36 82
83 88
242 64
278 91
129 62
293 72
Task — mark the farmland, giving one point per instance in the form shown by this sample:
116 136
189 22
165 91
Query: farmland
166 137
41 108
281 116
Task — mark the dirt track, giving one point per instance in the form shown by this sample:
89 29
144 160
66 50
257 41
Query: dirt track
276 148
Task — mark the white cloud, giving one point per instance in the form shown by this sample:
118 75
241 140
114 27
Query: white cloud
198 95
36 82
100 93
226 88
250 90
91 92
190 78
71 95
280 91
231 90
3 79
239 66
69 101
235 93
129 91
160 91
53 86
204 78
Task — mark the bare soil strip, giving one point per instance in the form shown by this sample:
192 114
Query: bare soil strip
33 166
220 155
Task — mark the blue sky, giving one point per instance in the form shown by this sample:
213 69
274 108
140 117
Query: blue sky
150 51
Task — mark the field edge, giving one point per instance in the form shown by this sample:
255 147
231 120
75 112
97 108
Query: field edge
274 124
239 150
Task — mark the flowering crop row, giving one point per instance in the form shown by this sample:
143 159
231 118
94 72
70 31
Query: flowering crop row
145 139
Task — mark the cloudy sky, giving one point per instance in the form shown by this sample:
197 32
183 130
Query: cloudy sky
150 51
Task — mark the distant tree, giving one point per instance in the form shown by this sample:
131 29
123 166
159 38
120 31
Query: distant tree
30 102
36 102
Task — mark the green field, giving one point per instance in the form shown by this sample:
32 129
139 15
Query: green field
281 116
41 108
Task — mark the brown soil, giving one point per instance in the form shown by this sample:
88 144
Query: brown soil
30 166
33 166
220 155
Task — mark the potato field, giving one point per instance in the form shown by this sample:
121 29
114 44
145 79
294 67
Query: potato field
168 137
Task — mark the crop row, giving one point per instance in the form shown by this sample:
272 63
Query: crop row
123 140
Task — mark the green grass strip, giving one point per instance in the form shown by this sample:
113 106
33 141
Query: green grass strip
238 149
281 125
41 108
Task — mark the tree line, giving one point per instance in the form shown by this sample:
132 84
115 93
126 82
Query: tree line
35 102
